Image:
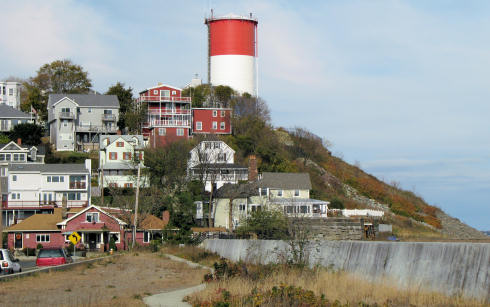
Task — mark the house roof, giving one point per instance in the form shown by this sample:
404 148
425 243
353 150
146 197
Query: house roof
160 85
127 138
48 168
88 208
285 181
41 149
44 222
297 201
9 112
206 166
151 222
86 100
238 190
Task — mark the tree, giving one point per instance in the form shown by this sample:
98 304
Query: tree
199 94
61 76
223 94
4 139
125 97
267 224
30 134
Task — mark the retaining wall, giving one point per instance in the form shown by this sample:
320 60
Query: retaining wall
452 268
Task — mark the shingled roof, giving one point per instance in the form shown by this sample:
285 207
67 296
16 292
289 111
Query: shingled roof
48 168
285 181
86 100
238 190
44 222
9 112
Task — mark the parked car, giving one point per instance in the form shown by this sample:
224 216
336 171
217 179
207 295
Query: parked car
8 263
52 256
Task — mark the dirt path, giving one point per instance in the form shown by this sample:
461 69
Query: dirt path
175 298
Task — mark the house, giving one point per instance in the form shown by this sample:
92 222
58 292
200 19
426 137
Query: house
213 162
10 117
10 94
288 192
211 120
169 114
17 153
96 226
119 156
40 188
76 121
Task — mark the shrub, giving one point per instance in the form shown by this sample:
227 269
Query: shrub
336 204
155 245
112 244
39 246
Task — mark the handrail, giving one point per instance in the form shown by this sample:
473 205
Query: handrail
167 111
162 99
16 204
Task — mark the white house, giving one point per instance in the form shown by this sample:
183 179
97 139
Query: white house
17 153
119 156
10 93
10 117
214 163
36 188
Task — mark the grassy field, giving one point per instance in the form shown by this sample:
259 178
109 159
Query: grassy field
119 281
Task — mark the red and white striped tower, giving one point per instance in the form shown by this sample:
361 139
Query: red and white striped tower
232 52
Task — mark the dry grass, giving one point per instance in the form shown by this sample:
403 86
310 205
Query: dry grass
192 253
119 281
342 286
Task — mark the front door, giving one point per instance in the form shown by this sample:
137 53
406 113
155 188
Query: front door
18 240
92 241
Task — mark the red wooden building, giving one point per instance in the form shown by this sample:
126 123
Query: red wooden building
211 120
169 115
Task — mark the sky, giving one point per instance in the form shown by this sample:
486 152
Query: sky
401 87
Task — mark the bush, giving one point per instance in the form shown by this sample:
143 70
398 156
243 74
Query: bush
336 204
155 245
267 224
39 246
112 244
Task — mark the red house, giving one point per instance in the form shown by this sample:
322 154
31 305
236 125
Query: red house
169 115
96 225
211 120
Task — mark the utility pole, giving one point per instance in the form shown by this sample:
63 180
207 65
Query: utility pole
136 205
102 185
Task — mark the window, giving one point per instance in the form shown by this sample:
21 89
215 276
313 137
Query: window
11 92
2 157
42 238
222 113
162 131
107 111
207 145
7 157
89 110
128 185
146 237
174 92
221 157
155 92
48 179
164 93
112 155
263 192
65 110
279 193
216 145
215 113
116 237
222 125
180 131
56 179
198 125
62 178
74 196
65 123
16 157
241 207
296 193
92 217
14 177
215 125
15 195
119 144
126 155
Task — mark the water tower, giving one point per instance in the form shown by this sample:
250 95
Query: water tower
232 52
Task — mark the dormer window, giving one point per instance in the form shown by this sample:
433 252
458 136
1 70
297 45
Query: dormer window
296 193
263 191
279 193
92 217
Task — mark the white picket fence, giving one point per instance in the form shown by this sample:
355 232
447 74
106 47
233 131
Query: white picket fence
359 212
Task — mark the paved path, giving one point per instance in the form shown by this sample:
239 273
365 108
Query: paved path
174 298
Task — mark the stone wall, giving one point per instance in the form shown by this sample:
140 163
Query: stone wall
452 268
336 228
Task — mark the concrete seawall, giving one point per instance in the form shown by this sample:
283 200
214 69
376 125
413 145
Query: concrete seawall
452 268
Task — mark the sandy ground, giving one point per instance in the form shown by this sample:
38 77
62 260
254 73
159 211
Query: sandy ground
120 281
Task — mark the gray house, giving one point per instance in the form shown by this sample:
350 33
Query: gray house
77 120
9 117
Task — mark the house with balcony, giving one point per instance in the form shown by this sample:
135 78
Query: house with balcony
13 152
119 157
213 163
10 94
76 121
11 117
169 116
40 188
287 192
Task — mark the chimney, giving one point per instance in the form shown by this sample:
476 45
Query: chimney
64 206
19 141
166 216
252 168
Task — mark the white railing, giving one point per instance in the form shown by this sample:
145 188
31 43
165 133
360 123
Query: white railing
146 98
358 212
93 128
167 111
168 123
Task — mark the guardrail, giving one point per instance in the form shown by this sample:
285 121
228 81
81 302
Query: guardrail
147 98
